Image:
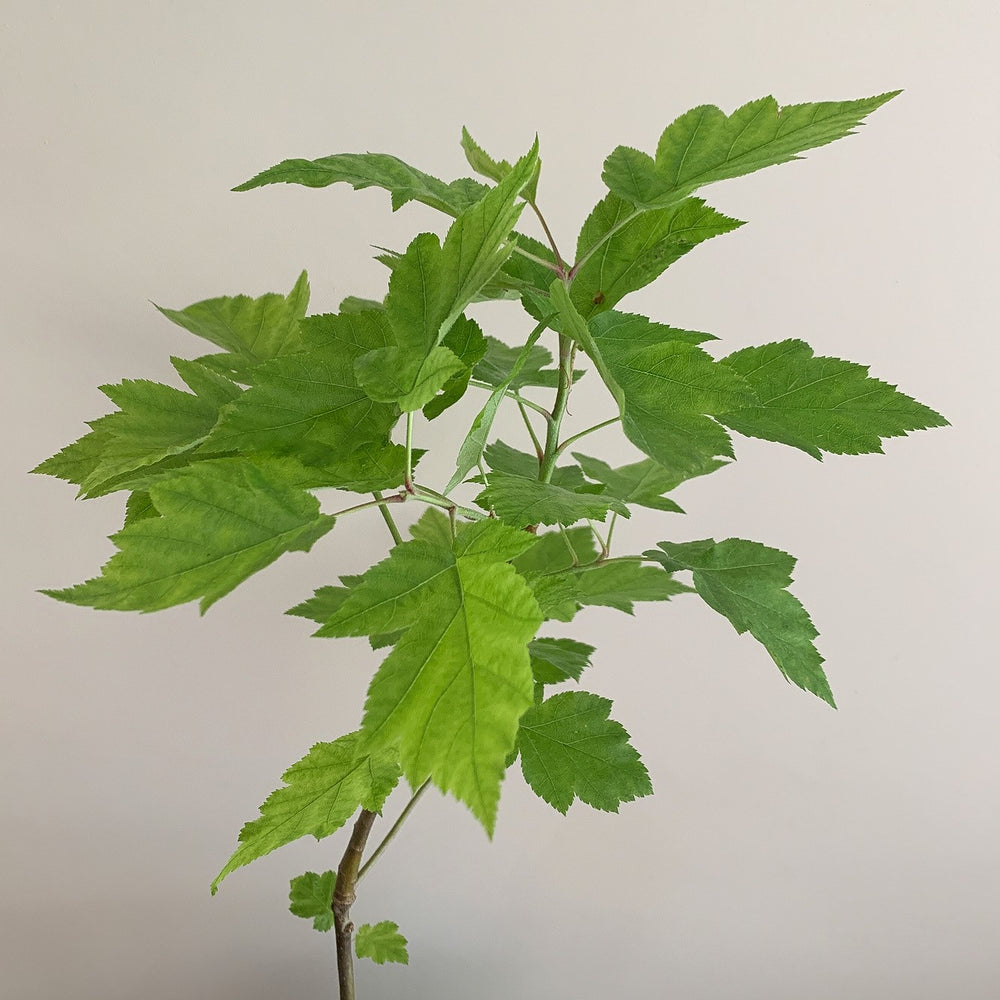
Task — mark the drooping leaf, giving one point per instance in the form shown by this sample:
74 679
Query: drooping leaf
571 749
644 482
432 284
705 145
382 943
251 329
620 584
556 660
520 501
311 896
321 793
220 522
748 583
311 400
451 691
820 404
363 170
642 247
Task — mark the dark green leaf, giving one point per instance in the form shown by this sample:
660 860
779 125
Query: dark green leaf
556 660
641 248
519 501
620 584
748 583
571 749
820 404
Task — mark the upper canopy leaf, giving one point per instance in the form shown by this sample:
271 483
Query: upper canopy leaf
432 284
496 170
642 246
251 329
453 688
748 583
322 792
363 170
220 522
820 404
705 145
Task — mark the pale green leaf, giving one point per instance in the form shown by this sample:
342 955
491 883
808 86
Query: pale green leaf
363 170
254 329
705 145
496 170
748 583
311 896
642 246
321 793
382 943
451 691
820 404
571 749
220 522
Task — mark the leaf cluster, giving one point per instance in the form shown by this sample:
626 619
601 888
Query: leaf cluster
221 476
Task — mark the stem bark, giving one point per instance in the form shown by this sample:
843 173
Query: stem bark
343 897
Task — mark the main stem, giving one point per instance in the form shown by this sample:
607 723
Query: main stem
343 897
551 453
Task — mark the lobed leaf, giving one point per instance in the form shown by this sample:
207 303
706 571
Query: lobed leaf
820 404
311 896
520 501
382 943
220 522
747 582
556 660
570 749
705 145
321 793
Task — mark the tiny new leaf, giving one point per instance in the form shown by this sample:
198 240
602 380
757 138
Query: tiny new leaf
311 896
382 943
571 749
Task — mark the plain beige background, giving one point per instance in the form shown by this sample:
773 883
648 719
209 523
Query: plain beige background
790 851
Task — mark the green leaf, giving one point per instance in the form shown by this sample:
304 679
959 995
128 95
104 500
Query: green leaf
321 793
466 341
558 551
371 466
748 583
668 390
154 422
641 248
220 523
820 404
252 329
620 584
451 691
520 501
432 284
556 660
138 507
644 482
311 895
471 449
387 379
704 146
322 606
571 749
363 170
382 943
501 457
499 361
496 170
311 401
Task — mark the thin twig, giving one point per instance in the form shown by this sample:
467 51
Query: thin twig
393 830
